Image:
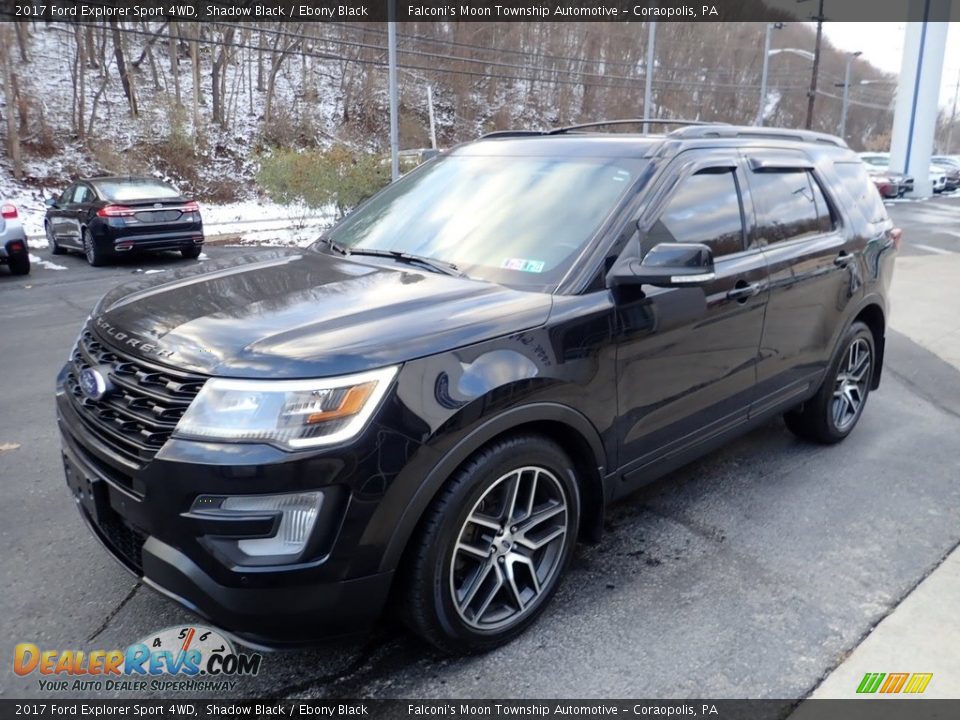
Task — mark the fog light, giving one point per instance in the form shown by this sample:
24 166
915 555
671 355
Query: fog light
298 514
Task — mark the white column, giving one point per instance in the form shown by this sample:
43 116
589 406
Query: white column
918 93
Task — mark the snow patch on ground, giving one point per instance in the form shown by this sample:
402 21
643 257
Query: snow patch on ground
49 265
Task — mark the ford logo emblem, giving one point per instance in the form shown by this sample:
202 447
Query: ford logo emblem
93 383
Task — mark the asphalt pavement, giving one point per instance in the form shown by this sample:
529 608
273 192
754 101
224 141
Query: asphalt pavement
752 573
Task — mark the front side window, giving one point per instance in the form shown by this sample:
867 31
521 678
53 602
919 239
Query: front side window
513 220
704 209
791 203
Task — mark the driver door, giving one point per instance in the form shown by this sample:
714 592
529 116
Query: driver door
687 356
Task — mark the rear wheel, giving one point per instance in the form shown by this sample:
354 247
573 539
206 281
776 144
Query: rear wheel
191 253
830 415
55 248
94 256
20 264
492 549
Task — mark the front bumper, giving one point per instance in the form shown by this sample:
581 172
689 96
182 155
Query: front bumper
139 517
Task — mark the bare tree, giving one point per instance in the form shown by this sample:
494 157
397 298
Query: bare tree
126 79
12 100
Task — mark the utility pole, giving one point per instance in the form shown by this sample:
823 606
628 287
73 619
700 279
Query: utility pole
953 117
433 124
394 103
846 94
766 65
812 95
648 73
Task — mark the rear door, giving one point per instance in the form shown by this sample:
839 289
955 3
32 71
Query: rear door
687 357
814 272
59 217
79 211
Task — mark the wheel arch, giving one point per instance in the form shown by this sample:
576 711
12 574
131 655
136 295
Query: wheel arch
566 426
873 316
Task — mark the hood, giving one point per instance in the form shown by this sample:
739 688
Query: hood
307 314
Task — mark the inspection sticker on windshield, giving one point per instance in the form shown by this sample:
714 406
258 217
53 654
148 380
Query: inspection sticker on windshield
534 266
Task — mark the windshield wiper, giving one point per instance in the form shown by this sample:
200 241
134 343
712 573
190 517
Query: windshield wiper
336 247
440 266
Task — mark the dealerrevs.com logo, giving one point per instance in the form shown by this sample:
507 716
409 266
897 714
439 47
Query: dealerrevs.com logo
191 658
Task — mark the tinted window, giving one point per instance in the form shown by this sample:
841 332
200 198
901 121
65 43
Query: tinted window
68 194
857 184
704 209
83 194
136 189
787 203
827 222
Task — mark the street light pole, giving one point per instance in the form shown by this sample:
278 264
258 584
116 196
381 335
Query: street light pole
953 117
846 94
766 67
812 95
394 100
648 73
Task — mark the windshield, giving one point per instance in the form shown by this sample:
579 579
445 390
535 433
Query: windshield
126 190
513 220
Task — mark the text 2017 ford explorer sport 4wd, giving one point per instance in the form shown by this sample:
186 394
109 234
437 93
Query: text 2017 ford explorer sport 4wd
434 402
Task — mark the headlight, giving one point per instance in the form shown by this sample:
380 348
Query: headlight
293 414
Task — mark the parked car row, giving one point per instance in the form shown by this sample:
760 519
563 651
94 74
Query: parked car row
944 174
106 217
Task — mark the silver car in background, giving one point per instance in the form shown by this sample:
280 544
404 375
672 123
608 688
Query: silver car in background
13 240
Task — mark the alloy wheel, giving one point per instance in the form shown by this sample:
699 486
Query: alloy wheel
509 548
850 386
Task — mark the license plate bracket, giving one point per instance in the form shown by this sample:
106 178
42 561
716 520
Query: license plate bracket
90 493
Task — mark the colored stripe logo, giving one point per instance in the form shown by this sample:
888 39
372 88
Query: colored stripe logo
894 683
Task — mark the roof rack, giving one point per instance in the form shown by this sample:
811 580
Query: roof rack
720 130
511 133
625 121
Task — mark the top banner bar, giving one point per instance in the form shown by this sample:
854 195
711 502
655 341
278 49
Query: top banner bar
479 10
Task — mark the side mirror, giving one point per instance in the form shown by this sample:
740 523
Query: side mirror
668 265
50 202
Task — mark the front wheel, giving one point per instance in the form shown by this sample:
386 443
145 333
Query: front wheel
55 247
492 549
830 415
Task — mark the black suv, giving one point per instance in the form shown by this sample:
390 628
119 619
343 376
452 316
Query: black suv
427 408
104 217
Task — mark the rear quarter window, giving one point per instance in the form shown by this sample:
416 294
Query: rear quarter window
858 186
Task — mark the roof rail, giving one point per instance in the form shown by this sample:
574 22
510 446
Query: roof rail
510 133
747 131
625 121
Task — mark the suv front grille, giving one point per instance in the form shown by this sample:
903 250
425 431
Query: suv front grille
138 414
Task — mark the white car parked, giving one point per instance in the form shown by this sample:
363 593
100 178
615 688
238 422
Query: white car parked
13 240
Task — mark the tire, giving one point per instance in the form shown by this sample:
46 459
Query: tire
20 265
830 415
94 256
55 247
191 253
471 581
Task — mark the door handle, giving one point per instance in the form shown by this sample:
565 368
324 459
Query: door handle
744 290
842 260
